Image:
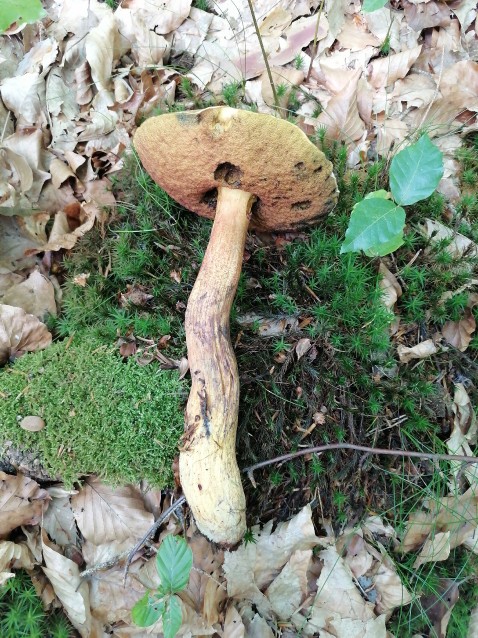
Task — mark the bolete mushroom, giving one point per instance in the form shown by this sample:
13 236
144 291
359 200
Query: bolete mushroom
244 170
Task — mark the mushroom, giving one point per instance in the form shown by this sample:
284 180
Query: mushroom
244 170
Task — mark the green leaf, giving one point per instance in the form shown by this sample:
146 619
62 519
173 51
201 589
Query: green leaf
19 11
373 5
416 171
173 562
147 610
172 617
376 226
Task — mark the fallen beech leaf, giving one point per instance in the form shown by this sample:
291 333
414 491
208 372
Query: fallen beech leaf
302 347
105 514
22 502
426 14
341 118
64 575
81 279
233 625
32 423
58 521
13 556
385 71
439 605
420 351
289 588
387 582
434 549
459 246
357 557
19 238
459 333
390 287
35 295
20 332
259 628
460 81
99 48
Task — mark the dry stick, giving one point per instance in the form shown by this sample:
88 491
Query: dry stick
361 448
313 53
129 553
264 55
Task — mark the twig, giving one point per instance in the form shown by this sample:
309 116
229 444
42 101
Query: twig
129 553
361 448
150 533
313 52
264 55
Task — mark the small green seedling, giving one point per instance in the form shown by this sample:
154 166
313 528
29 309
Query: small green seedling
20 11
377 222
174 561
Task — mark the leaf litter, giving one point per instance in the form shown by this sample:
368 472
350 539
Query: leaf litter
73 90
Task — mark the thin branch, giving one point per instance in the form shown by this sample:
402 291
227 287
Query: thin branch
129 553
264 55
361 448
313 52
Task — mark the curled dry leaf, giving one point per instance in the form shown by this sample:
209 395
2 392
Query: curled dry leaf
391 289
288 590
22 502
267 327
35 295
458 247
420 351
64 575
435 548
20 332
58 521
459 333
387 582
13 556
106 514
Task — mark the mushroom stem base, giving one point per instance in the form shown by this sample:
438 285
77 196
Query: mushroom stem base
208 468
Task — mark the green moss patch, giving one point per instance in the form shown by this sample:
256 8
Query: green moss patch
103 415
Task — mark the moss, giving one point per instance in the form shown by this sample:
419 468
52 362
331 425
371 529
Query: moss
22 614
103 415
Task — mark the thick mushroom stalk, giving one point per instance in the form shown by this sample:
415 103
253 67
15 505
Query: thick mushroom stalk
209 473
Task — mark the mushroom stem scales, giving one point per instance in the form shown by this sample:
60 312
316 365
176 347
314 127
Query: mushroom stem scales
208 468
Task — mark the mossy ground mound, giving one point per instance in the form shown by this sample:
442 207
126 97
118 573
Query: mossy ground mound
103 414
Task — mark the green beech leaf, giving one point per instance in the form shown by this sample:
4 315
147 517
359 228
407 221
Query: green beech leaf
19 11
147 610
172 617
373 5
376 226
173 562
416 171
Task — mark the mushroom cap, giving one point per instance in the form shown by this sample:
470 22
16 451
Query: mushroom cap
191 154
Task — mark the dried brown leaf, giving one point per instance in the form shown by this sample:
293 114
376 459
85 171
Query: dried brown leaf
22 502
420 351
58 520
341 118
20 332
64 575
385 71
35 295
435 548
13 556
105 514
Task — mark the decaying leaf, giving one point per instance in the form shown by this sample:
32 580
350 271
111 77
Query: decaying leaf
20 332
22 502
269 327
420 351
434 549
58 520
64 575
390 287
105 514
13 556
35 295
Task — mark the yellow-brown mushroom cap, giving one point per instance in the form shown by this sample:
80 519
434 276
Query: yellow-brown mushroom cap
190 154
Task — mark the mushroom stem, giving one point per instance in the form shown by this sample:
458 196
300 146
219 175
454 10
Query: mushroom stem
208 468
